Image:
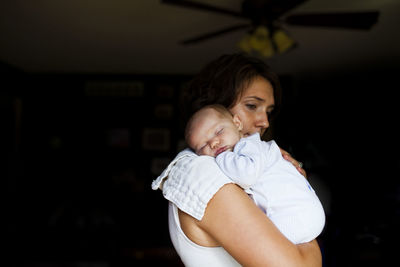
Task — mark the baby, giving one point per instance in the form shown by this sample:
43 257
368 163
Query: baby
259 168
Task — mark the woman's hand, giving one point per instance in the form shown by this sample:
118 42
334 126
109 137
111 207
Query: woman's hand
297 164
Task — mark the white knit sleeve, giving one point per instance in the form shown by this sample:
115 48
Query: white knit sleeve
245 163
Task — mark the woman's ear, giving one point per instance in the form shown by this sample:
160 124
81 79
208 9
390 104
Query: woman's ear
238 122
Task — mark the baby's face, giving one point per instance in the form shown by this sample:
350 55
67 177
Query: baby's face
213 133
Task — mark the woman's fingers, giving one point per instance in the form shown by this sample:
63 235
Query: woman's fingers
299 165
302 171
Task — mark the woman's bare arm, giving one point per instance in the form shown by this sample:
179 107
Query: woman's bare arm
238 225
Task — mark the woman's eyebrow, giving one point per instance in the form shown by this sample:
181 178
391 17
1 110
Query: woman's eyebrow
256 98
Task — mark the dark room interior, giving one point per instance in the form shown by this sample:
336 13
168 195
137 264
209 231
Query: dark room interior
91 116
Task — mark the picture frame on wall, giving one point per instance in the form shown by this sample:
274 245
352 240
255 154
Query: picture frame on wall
156 139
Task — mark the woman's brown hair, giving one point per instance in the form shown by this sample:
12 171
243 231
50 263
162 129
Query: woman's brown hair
223 80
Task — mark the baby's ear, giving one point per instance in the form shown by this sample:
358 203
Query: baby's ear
238 122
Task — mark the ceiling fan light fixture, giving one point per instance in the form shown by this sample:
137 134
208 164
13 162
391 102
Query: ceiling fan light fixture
283 42
259 41
259 38
268 50
244 44
262 42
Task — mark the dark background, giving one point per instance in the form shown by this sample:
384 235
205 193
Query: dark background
79 171
75 197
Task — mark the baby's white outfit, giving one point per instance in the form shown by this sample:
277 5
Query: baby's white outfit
276 186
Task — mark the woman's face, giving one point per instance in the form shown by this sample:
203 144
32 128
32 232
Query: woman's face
254 106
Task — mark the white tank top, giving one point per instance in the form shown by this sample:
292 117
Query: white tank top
189 182
193 255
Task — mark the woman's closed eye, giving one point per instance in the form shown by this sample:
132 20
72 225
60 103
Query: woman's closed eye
220 131
251 106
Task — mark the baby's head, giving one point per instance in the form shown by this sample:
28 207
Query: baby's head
213 130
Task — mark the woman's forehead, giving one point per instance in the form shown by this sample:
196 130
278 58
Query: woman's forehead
260 89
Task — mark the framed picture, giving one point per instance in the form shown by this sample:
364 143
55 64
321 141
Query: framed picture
115 88
164 111
159 164
156 139
119 138
165 91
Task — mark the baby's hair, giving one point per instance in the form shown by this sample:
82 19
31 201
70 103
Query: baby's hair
220 109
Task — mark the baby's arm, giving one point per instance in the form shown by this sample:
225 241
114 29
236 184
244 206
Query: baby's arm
245 163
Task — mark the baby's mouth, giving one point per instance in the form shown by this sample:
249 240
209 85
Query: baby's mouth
220 150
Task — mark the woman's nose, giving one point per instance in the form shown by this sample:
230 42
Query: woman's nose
262 121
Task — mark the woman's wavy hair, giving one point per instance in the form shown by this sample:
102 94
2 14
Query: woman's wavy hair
223 80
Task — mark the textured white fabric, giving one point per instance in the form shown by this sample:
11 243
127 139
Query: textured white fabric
278 188
192 182
193 255
248 161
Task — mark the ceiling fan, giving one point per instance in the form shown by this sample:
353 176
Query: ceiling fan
266 18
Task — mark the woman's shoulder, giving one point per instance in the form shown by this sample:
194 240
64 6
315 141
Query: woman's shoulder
190 181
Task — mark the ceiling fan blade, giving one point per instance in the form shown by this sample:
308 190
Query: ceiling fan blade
349 20
215 33
280 7
196 5
272 9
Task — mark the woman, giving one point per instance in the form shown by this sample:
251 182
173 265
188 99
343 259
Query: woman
211 220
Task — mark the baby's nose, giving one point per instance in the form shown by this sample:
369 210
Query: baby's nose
214 143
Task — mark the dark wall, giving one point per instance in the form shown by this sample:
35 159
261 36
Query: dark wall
82 151
80 171
344 127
